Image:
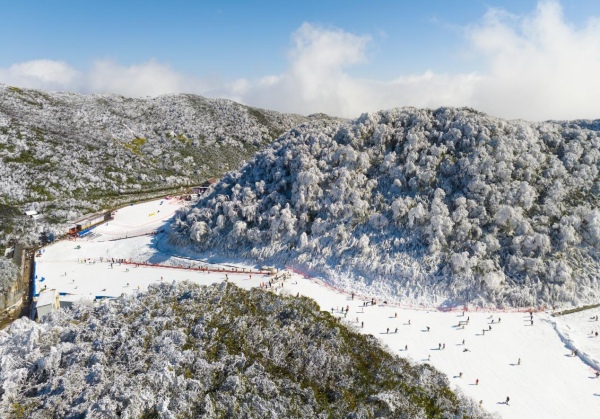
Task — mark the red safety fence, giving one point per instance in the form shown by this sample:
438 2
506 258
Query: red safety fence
420 306
200 268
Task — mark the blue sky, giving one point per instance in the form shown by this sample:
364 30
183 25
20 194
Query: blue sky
339 57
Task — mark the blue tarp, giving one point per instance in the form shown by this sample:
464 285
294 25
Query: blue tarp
103 297
34 291
83 232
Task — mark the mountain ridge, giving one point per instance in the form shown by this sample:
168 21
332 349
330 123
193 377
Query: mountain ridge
66 154
447 204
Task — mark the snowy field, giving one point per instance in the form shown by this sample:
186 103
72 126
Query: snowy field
548 382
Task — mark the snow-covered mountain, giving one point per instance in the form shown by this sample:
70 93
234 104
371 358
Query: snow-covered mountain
65 154
423 204
182 350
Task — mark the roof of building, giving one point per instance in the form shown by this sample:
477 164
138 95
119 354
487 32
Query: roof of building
72 298
46 298
210 181
88 217
31 213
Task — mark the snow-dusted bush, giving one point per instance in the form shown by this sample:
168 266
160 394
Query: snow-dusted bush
451 201
9 273
182 350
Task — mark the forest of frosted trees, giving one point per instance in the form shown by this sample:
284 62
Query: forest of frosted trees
183 350
65 154
421 204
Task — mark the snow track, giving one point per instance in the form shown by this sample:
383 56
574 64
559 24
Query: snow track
548 382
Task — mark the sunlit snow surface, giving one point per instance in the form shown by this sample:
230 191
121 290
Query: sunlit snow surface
549 382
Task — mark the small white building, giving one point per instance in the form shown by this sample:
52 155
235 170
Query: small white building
33 214
47 302
9 252
67 301
89 221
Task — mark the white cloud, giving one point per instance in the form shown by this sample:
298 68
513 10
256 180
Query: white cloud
534 67
147 79
316 80
41 74
104 76
538 66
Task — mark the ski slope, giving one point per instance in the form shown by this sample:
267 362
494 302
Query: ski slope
549 382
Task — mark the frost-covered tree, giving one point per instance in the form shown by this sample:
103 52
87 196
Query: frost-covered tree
65 154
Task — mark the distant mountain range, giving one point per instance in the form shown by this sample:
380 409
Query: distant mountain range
446 205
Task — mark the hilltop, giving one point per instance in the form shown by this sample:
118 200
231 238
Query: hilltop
446 206
183 350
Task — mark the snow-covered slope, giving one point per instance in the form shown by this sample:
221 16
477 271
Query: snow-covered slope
549 383
426 204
